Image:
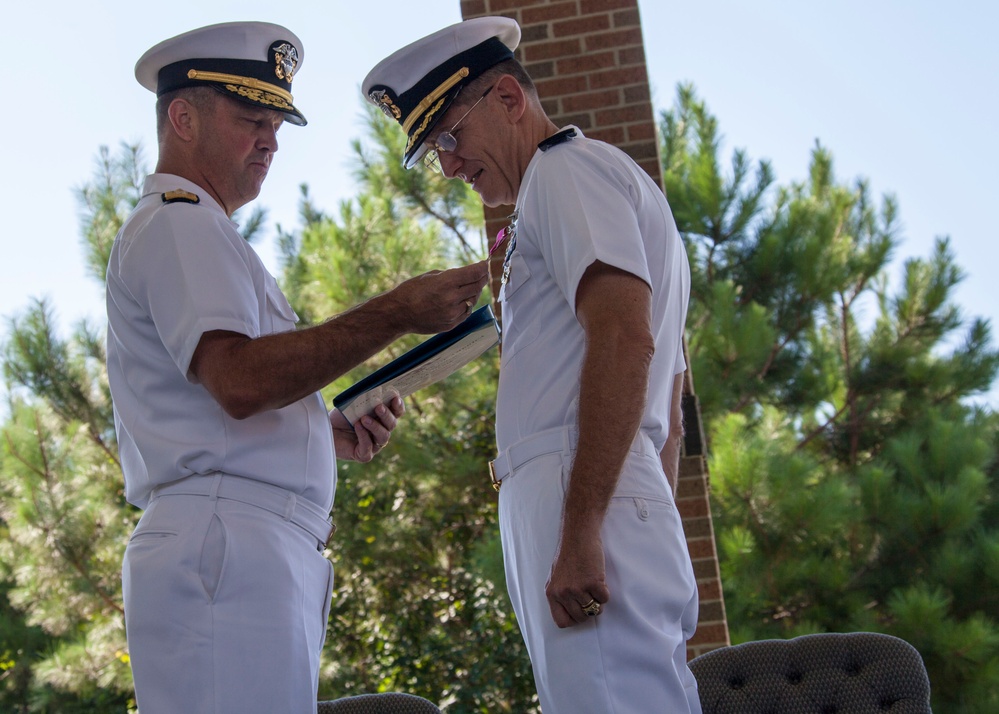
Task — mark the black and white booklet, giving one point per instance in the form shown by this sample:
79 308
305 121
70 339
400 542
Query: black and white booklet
428 362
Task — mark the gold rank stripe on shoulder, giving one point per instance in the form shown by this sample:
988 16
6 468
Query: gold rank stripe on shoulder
180 195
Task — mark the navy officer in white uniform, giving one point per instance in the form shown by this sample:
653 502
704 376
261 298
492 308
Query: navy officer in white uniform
224 438
594 299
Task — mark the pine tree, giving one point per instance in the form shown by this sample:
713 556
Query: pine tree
854 484
62 505
62 512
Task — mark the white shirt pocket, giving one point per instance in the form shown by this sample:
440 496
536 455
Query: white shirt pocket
518 298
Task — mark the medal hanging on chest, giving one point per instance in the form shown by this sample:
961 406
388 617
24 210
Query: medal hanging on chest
509 233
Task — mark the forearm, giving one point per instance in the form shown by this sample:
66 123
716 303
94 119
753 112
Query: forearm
248 376
613 388
614 309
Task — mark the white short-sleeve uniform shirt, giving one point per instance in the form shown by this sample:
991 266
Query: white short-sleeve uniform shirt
581 201
178 270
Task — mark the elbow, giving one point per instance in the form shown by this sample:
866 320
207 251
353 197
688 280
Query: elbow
224 369
676 430
644 346
239 412
648 348
239 405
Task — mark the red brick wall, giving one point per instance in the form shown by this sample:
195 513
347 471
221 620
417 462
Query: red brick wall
587 58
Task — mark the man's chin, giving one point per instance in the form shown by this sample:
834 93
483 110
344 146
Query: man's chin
488 200
492 197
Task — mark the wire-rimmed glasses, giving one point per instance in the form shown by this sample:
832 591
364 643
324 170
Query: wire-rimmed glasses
446 140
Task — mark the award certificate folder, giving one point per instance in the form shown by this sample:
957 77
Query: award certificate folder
428 362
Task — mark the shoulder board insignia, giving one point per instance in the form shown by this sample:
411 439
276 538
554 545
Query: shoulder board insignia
556 139
181 196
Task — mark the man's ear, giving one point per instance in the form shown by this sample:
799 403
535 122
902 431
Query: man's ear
183 119
512 97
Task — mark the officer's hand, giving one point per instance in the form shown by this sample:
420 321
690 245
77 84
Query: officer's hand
440 299
577 587
368 435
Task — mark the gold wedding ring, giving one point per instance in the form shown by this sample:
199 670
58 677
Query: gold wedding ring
468 304
591 608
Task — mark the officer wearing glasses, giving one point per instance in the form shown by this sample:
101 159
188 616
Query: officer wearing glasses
588 427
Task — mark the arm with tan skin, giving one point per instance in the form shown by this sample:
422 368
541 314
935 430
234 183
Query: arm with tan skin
248 376
670 455
614 309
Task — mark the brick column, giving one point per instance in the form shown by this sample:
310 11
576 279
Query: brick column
588 61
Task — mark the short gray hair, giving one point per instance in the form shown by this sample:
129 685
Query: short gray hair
474 89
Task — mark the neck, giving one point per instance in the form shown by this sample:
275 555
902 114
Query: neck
538 128
177 166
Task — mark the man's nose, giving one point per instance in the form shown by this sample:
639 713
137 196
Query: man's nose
449 162
268 139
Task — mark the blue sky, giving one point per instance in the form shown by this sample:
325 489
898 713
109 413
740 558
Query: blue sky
904 93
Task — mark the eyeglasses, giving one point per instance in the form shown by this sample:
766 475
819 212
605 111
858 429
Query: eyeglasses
446 140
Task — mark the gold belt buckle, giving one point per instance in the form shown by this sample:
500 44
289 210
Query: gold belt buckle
492 476
330 536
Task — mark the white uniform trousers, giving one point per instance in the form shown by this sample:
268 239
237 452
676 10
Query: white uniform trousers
226 605
631 658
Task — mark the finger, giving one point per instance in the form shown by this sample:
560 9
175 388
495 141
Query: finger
560 614
365 449
397 406
565 607
600 592
575 611
377 432
387 421
475 274
591 608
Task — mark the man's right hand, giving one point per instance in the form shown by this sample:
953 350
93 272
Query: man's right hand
440 299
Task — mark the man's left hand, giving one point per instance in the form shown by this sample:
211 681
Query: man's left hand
369 435
577 588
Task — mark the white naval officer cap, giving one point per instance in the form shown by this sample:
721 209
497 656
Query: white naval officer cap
253 62
416 85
